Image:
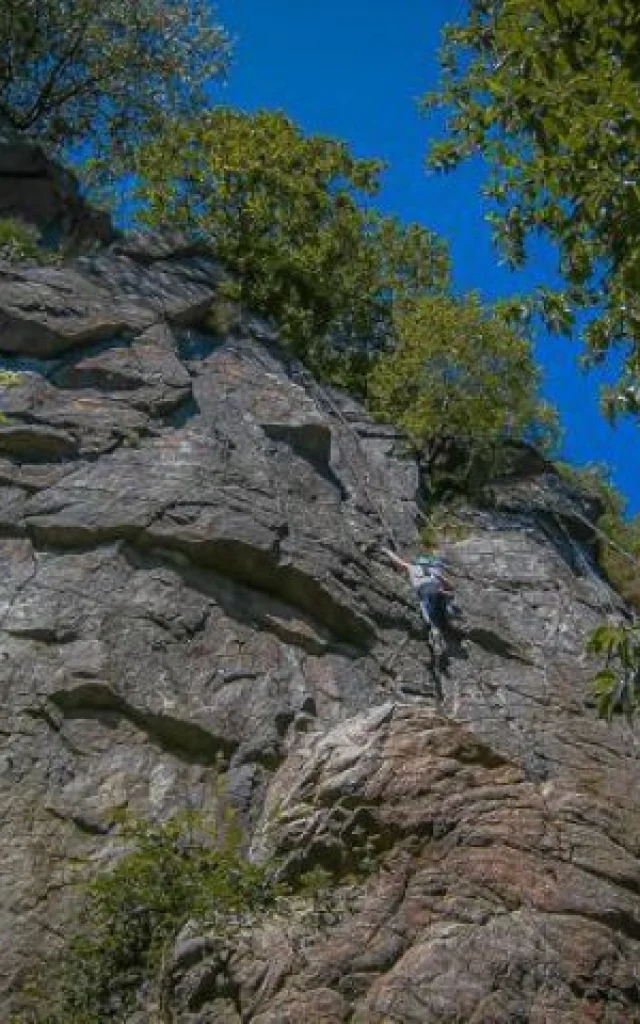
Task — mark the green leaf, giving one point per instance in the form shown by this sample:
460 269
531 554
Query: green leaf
617 685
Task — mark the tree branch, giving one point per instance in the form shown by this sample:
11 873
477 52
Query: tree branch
47 91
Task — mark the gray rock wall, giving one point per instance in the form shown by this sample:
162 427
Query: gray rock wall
192 582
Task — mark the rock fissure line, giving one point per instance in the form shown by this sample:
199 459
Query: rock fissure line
20 590
211 580
188 740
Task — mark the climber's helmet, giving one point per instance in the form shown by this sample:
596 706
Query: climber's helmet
430 562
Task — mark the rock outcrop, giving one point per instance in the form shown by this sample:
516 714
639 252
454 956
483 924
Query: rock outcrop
192 582
36 190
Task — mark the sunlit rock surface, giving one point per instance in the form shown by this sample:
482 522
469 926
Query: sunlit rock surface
192 582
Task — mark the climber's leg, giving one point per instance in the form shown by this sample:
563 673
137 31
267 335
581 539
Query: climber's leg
434 610
432 614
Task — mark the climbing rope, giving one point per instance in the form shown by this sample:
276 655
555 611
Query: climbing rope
605 537
323 398
325 401
580 559
299 373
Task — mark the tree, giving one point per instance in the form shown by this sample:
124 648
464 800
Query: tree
548 91
617 684
72 70
460 371
286 214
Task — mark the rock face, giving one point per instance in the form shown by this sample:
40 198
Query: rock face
34 189
192 582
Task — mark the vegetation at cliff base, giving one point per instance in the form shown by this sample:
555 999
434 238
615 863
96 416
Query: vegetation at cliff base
173 872
548 91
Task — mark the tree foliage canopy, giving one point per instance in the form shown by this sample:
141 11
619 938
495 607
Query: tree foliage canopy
459 370
72 70
287 214
548 91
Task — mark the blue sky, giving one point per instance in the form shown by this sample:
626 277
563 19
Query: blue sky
355 69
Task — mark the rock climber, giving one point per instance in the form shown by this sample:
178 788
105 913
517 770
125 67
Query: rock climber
435 592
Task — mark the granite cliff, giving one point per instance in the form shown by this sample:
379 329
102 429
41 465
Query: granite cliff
192 582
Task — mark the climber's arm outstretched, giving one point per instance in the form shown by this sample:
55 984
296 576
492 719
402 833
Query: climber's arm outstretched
446 587
400 562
